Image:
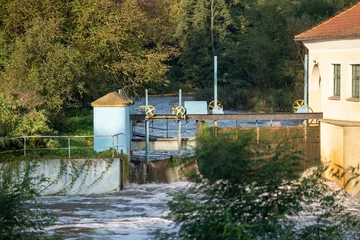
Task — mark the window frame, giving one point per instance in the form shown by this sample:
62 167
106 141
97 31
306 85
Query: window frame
355 81
336 80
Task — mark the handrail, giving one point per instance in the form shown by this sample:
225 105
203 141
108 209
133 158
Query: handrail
68 137
236 116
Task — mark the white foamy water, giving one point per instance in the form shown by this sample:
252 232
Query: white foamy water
130 214
134 212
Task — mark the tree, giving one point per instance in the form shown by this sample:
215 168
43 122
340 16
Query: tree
63 54
202 26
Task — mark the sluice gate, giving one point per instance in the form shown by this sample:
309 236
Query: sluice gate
160 141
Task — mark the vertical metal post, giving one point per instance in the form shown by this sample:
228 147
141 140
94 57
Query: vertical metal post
167 128
113 150
306 80
198 125
121 171
24 146
146 129
179 136
179 126
69 151
215 82
147 141
117 143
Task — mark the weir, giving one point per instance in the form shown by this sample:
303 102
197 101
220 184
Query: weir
186 143
162 144
307 139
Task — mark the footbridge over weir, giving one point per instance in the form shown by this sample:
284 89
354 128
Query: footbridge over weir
160 139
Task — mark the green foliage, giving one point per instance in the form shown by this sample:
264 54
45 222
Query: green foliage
57 55
16 120
248 190
275 100
76 122
20 215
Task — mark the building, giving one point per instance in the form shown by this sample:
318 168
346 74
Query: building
112 126
334 89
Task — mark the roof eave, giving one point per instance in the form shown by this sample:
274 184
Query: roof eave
302 39
111 105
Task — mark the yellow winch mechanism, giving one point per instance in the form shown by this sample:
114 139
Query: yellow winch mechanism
179 112
212 106
299 106
149 111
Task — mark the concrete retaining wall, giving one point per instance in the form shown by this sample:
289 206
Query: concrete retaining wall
79 176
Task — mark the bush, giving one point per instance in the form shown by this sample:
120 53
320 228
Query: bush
20 215
253 191
16 120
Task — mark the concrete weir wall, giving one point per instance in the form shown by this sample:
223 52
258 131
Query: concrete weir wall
79 176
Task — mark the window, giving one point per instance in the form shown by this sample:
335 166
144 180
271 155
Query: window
336 79
355 80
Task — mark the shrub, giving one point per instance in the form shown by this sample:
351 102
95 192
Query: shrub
20 215
16 120
248 190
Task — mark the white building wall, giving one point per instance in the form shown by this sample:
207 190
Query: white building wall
324 55
111 121
340 129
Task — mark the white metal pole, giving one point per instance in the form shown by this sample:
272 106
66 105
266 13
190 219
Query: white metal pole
215 82
146 129
179 126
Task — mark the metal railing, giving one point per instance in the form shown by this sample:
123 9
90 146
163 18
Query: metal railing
25 146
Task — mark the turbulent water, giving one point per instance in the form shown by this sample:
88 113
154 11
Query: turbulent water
130 214
133 213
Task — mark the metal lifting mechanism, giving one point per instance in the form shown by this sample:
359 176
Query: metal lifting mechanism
212 106
149 111
179 111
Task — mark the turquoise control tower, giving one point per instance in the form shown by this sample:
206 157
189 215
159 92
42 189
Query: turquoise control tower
112 126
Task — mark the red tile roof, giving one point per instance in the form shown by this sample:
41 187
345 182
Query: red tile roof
343 25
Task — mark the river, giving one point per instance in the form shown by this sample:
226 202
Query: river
130 214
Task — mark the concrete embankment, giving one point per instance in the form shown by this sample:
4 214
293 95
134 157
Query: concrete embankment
70 176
